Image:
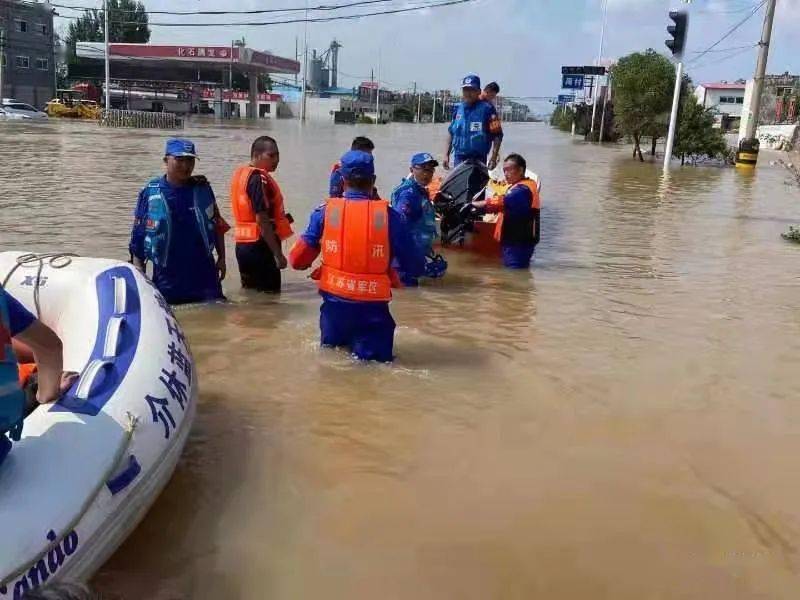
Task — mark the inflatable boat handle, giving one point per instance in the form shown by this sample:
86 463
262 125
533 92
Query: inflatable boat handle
88 377
120 295
111 344
119 482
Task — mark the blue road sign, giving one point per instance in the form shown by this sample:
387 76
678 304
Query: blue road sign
566 98
572 82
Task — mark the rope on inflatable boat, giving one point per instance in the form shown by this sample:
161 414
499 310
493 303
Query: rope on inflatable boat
54 260
118 456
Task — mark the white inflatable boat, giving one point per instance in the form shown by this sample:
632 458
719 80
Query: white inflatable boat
87 468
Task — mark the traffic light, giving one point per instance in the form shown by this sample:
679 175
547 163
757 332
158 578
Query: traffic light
678 32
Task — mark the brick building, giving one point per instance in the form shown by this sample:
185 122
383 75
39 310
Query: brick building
27 51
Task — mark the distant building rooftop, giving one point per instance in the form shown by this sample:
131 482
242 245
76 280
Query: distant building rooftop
723 85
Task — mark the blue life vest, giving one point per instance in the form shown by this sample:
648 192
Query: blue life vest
470 130
423 231
158 223
12 400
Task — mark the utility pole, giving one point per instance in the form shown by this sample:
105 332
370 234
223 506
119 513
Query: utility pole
415 93
747 156
676 45
419 107
378 92
305 68
230 83
599 60
108 58
605 103
2 54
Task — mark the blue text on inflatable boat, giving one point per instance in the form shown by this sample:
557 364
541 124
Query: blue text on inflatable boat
48 564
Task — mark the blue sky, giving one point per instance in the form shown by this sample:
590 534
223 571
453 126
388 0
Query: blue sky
520 43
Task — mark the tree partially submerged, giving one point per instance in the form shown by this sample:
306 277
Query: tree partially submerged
643 85
697 139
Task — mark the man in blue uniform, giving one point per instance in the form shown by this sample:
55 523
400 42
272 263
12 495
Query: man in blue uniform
336 181
475 129
355 276
412 200
177 227
21 332
519 223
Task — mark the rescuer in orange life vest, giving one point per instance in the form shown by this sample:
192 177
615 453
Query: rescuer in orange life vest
517 229
336 181
261 221
358 238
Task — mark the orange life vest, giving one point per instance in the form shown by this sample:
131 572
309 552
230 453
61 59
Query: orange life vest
247 229
335 167
433 187
355 250
535 203
25 372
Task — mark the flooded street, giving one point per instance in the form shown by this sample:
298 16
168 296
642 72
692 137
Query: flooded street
620 422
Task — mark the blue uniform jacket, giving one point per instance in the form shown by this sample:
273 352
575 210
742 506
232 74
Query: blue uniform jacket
19 318
517 202
474 128
191 275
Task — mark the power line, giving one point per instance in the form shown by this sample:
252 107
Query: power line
729 32
294 20
323 7
748 46
731 11
724 58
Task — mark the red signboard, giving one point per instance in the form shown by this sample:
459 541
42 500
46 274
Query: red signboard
208 94
270 60
202 53
371 85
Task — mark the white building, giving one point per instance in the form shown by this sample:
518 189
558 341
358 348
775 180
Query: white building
725 99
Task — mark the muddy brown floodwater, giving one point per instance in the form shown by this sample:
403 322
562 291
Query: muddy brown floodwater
620 422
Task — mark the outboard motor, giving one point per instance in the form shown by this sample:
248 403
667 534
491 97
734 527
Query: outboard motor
453 202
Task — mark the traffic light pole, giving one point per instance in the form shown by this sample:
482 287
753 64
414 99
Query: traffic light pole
676 46
673 117
747 156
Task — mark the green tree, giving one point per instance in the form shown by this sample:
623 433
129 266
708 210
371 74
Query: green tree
643 86
696 137
403 114
128 24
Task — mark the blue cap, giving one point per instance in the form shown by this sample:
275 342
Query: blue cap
471 81
357 163
179 147
423 158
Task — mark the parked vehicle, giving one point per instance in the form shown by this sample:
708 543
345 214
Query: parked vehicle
21 110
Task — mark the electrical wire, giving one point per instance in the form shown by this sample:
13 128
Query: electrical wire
322 7
729 32
748 46
294 20
724 58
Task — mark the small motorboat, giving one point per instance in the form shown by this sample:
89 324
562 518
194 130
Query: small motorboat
461 226
87 468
